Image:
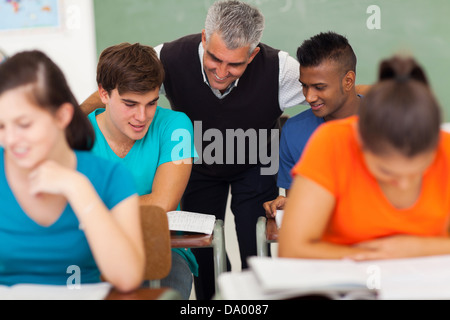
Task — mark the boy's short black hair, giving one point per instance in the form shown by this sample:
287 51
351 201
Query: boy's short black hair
327 46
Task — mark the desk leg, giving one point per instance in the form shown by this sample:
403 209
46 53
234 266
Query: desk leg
261 243
218 243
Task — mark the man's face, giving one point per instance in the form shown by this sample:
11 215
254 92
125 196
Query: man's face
323 89
222 65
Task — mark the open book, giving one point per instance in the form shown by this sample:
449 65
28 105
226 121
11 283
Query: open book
394 279
279 278
191 222
95 291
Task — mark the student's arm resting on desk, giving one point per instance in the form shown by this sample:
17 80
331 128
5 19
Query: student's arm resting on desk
170 180
307 214
305 218
402 246
114 237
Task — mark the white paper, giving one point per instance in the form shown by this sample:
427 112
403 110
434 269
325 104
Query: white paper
95 291
422 278
279 218
277 274
191 222
246 286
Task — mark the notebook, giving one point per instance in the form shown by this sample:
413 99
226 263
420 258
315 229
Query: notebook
191 222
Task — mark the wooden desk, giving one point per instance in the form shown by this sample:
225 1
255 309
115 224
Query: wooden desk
145 294
190 240
198 240
266 232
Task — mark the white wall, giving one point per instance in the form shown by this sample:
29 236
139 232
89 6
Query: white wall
72 47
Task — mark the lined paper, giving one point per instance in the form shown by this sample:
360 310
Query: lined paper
191 221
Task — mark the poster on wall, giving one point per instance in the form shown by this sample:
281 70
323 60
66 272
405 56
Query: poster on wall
29 15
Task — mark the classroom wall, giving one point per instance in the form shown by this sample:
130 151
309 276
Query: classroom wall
72 46
417 27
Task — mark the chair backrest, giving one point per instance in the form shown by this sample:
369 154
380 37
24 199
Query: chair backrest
155 227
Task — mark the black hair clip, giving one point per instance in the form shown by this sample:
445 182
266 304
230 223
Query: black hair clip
402 78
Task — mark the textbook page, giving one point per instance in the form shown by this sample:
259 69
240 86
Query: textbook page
422 278
245 286
94 291
283 274
191 222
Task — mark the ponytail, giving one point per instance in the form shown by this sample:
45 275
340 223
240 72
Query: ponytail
401 70
400 111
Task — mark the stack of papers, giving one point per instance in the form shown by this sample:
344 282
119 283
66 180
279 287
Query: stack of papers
191 222
423 278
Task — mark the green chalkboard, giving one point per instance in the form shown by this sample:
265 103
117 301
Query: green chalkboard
417 27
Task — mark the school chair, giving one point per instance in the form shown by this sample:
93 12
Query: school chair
158 254
216 241
266 233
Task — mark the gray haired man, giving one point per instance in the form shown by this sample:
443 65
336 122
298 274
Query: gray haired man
226 81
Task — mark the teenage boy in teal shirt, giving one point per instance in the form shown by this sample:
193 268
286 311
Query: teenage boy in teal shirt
156 144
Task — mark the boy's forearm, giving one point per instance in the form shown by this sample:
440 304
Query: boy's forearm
91 103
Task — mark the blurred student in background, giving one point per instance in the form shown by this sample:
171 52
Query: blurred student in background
374 186
61 205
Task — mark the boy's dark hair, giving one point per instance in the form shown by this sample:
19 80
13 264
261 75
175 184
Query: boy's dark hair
400 111
327 46
130 68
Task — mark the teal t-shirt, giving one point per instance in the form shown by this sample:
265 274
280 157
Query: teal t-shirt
170 137
31 253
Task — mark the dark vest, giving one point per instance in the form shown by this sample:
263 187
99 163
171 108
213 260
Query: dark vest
251 106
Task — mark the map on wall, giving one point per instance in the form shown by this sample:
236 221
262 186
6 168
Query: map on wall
28 14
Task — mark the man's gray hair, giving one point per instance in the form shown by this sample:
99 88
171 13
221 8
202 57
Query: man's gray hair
238 24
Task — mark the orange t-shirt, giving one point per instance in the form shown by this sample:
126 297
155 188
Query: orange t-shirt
333 159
